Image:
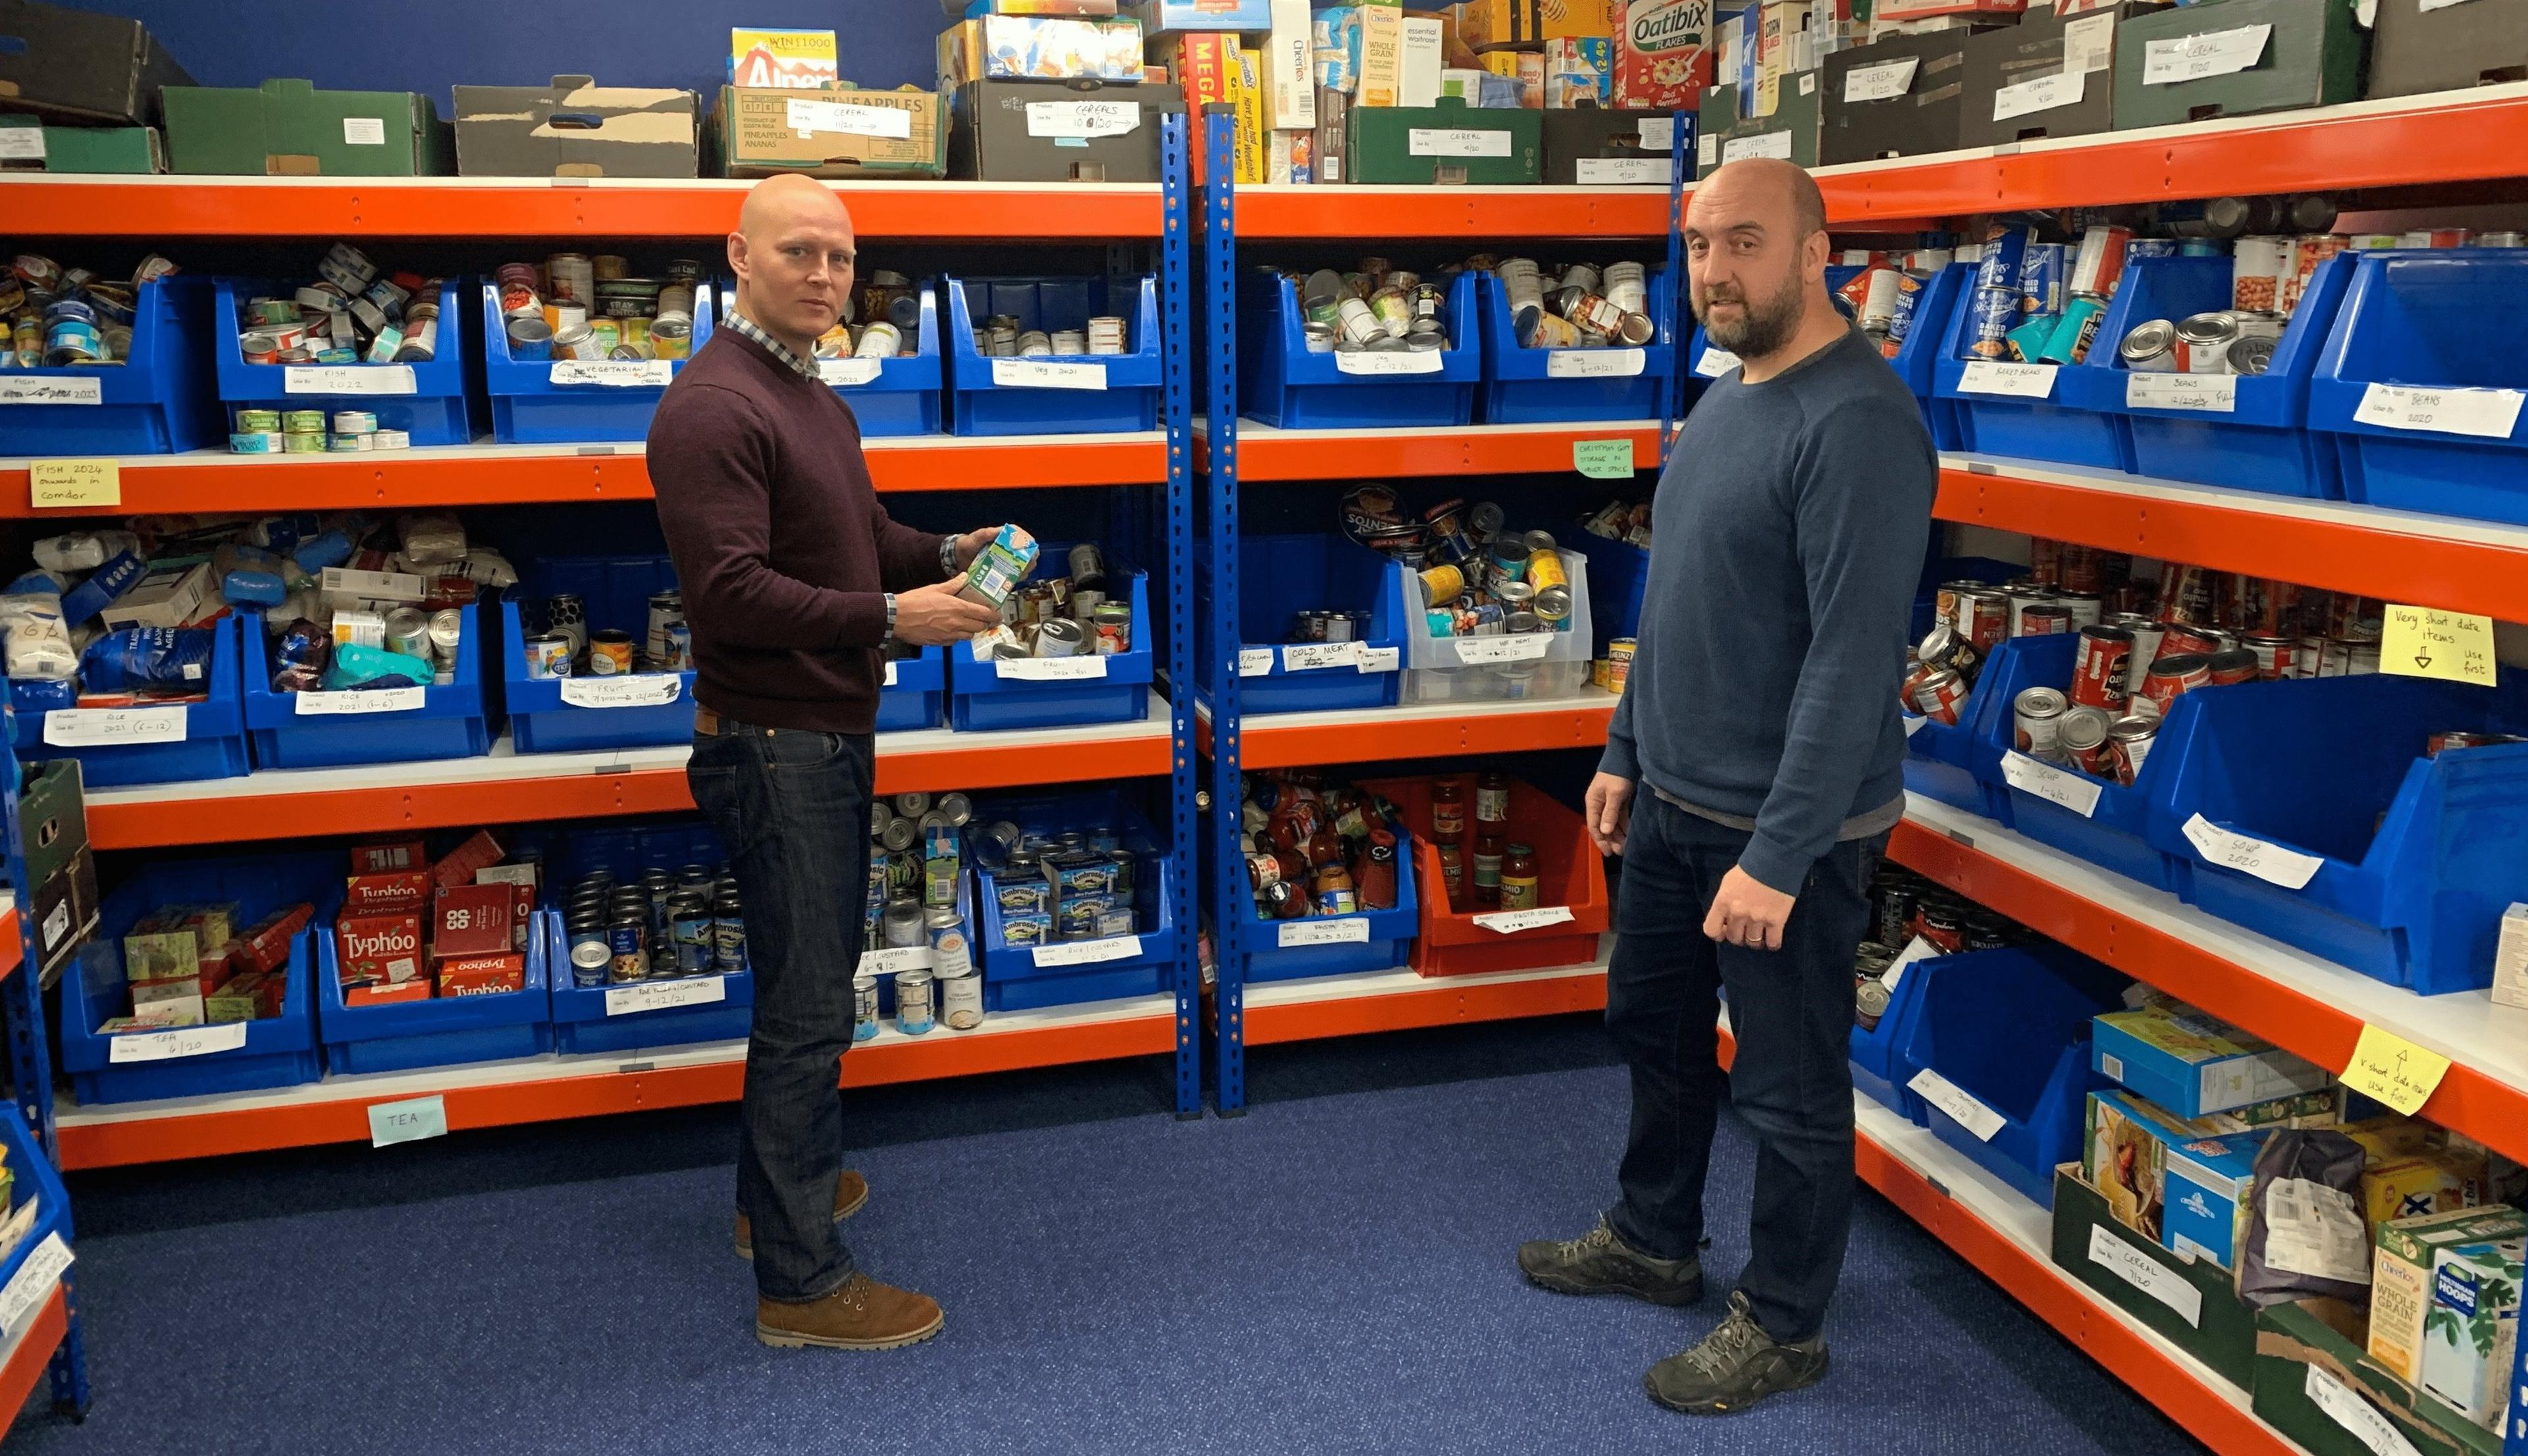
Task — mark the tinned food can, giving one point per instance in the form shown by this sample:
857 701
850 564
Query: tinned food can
2082 739
2036 720
2129 741
1619 663
2232 665
2098 678
1939 694
2175 674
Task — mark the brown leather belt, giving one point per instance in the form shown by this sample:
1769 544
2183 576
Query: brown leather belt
712 724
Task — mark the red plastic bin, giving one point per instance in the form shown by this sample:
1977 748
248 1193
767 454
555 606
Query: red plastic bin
1569 874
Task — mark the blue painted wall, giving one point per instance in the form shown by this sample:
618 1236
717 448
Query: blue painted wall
429 45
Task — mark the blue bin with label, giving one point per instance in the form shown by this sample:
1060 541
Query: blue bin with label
901 394
581 1018
158 401
1278 578
2262 442
278 1051
441 1031
982 697
1283 385
330 730
1290 950
1914 359
1525 385
613 401
1960 763
428 401
2427 330
1619 572
2417 856
2079 419
1053 396
913 692
213 745
1880 1067
543 717
1012 977
32 1178
2091 818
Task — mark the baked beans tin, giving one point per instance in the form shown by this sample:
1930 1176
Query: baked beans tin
2098 676
1985 619
2175 674
2257 267
2036 721
2203 343
2150 347
1619 663
1995 312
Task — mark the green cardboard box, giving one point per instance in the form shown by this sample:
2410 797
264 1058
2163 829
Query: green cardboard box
2188 1300
1790 132
291 129
2311 53
28 145
52 818
1452 142
2314 1384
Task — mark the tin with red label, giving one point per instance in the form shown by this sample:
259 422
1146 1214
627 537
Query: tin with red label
2046 560
2082 739
2184 640
1939 695
2129 742
2044 619
2148 638
1985 619
1948 604
2037 722
379 948
2098 676
2100 260
2174 674
2232 665
2185 594
2276 657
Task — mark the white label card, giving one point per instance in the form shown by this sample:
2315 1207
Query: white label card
348 379
361 700
1879 82
24 143
2216 393
2269 862
1775 144
408 1122
24 388
1456 141
846 373
1593 363
2090 43
618 374
659 996
895 960
1917 949
364 130
1523 646
1082 118
56 925
1621 172
2147 1274
2078 793
182 1041
2489 414
2426 7
1051 669
1090 952
1658 133
1254 661
1388 361
1307 657
1380 659
1511 922
97 727
2193 57
1707 150
1965 1108
810 116
1914 723
631 690
2346 1408
1714 363
1349 930
2314 1229
2044 94
2019 381
1037 374
34 1282
890 673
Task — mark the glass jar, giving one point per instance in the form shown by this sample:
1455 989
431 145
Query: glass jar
1487 876
1447 811
1518 877
1492 800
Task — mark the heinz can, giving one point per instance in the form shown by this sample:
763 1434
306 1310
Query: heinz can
2172 675
2045 619
2257 267
1619 663
2099 679
2232 665
1987 619
2036 721
2129 742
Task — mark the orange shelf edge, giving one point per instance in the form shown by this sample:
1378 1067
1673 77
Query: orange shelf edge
1296 456
1263 744
13 948
1450 212
1437 1003
33 1356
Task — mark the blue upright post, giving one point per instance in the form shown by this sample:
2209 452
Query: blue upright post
1177 353
1230 909
1680 320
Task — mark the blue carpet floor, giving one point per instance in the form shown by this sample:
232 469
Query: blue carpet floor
1329 1274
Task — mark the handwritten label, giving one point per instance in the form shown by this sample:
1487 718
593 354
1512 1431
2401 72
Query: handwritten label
2147 1274
1050 669
364 130
890 673
615 374
1916 950
32 390
1388 361
2090 43
1511 922
360 700
182 1041
1082 118
846 373
632 689
1254 661
1594 364
2021 380
1456 141
2217 394
2451 646
56 925
408 1122
659 996
2044 94
1603 459
2395 1070
1657 133
1963 1107
1380 659
2346 1408
1522 647
1037 374
1090 952
1714 363
348 379
2488 414
22 143
2074 791
1307 657
2269 862
34 1282
1706 151
1775 144
1879 82
64 484
1621 172
1351 930
807 117
895 960
99 727
2166 63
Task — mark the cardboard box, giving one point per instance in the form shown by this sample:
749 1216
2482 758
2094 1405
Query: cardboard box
1522 69
2401 1275
1664 54
521 880
1289 77
471 919
1781 49
1904 96
2182 1183
172 940
52 824
481 975
1246 118
2184 1061
1003 47
167 596
71 64
2511 956
2188 1300
1420 59
782 59
458 865
1446 144
28 145
1382 56
2428 1182
2313 1385
576 128
2446 48
2471 1333
1916 10
175 1002
989 136
1158 17
1483 22
1579 73
378 948
1723 136
2312 56
244 998
2039 47
385 993
399 892
1091 8
291 129
2514 1441
1610 148
1205 69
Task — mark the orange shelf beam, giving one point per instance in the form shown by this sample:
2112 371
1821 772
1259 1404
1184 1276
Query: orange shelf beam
13 951
28 1363
1481 212
1441 1001
1342 454
1265 743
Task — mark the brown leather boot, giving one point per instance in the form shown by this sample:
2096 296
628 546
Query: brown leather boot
850 1193
863 1315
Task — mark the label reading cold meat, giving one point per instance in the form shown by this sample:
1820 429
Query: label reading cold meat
1349 930
1522 647
1388 361
1593 363
2145 1273
1621 172
2489 414
2269 862
99 727
1456 141
1038 374
2019 381
1963 1107
359 701
29 390
2217 394
2074 791
1309 656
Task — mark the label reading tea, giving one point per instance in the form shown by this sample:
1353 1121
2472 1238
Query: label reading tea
408 1122
183 1041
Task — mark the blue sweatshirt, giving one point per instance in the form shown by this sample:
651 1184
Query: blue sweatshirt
1789 531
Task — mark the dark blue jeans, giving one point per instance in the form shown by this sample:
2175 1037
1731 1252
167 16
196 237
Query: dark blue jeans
792 807
1791 1012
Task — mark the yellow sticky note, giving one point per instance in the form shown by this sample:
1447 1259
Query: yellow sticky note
2425 642
2395 1070
63 485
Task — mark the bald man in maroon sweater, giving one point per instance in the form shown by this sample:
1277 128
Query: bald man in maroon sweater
794 580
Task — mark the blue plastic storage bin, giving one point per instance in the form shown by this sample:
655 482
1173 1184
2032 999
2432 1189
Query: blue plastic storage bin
528 408
436 412
1914 357
1960 763
214 744
1130 399
2263 443
1012 979
1388 947
980 698
580 1021
913 692
2011 1029
448 723
617 592
159 400
1618 574
278 1051
2309 765
1521 388
899 395
1879 1064
2433 320
31 1176
442 1031
1283 385
1280 576
1704 363
2115 833
2079 422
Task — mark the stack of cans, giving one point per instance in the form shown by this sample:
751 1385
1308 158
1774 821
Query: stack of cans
352 313
560 644
1585 306
1060 885
1477 576
1906 907
917 855
578 306
59 317
1376 308
881 319
305 432
1006 336
654 925
1064 616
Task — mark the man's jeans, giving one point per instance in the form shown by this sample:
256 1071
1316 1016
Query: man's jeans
792 808
1791 1012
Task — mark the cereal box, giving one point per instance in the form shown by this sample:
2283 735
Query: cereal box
1663 54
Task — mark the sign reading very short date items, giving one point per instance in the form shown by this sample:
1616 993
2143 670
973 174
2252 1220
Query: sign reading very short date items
659 996
1349 930
64 484
348 379
100 727
1090 952
2424 642
1456 141
1388 361
1040 374
808 118
2018 380
2072 791
2394 1071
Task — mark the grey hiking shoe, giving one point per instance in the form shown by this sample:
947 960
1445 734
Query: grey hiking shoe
1736 1366
1599 1263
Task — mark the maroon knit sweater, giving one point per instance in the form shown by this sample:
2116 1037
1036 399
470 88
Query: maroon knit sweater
780 544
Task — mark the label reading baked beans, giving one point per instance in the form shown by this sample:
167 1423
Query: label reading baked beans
2021 380
2217 394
